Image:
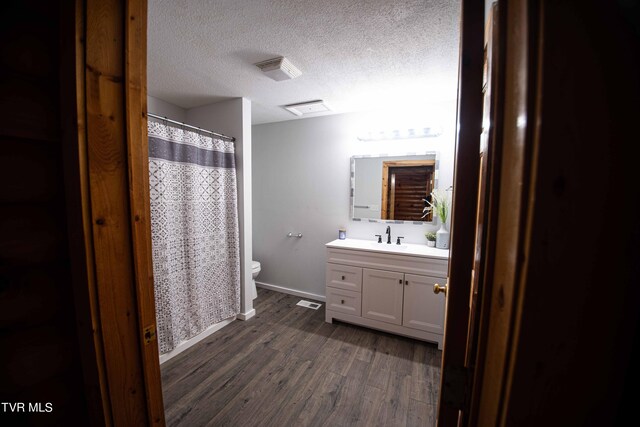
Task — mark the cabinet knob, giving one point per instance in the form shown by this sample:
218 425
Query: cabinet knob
342 277
400 281
437 289
341 301
406 283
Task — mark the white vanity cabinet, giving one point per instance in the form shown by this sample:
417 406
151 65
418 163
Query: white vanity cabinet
389 288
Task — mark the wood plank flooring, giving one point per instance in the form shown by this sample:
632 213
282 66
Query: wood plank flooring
288 367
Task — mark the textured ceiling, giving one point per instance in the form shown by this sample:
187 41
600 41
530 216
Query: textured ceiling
356 55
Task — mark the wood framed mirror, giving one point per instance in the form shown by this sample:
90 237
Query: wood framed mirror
406 184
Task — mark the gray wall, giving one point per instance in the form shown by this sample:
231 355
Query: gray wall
301 185
163 108
368 176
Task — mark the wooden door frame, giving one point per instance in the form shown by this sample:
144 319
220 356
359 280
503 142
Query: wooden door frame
465 195
551 316
107 190
105 172
113 171
486 241
79 223
140 215
485 389
499 307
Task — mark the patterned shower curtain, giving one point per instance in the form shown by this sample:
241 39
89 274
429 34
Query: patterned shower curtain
194 232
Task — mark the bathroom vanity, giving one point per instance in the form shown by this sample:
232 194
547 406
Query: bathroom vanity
387 287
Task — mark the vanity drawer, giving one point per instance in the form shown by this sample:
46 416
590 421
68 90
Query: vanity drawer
343 301
344 277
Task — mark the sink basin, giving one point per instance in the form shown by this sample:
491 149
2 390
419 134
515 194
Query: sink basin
411 249
388 247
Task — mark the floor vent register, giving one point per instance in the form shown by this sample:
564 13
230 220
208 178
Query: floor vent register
309 304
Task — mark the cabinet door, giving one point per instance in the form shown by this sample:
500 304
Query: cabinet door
423 309
382 295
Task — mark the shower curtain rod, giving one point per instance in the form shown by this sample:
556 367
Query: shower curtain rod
219 135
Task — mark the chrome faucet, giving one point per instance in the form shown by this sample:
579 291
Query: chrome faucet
388 233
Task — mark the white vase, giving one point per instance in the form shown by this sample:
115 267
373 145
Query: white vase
442 237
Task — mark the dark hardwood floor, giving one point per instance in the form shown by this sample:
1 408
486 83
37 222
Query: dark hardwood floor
288 367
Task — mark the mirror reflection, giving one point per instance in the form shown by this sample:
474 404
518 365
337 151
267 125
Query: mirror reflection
392 187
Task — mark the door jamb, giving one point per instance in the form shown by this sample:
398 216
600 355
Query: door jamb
465 185
109 162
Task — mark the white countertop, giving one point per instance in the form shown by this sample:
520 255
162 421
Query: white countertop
403 249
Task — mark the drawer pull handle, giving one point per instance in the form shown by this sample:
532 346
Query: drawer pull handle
400 281
342 277
341 301
406 282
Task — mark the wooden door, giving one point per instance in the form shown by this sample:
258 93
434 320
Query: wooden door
408 181
382 295
48 341
408 186
488 192
422 308
463 222
562 320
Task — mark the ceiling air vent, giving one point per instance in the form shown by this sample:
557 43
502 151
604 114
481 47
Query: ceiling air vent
279 69
308 108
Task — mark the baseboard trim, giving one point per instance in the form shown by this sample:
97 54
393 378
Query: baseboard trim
192 341
248 315
291 291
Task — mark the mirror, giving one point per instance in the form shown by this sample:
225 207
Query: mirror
392 188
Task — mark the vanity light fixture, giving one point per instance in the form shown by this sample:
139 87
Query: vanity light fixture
411 133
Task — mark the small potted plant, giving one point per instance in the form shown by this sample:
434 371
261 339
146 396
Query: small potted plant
440 205
431 239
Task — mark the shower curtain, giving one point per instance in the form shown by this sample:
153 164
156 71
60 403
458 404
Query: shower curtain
194 232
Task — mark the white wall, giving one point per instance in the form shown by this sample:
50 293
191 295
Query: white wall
233 118
165 109
368 176
301 185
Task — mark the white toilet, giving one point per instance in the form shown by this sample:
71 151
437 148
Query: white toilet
255 270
